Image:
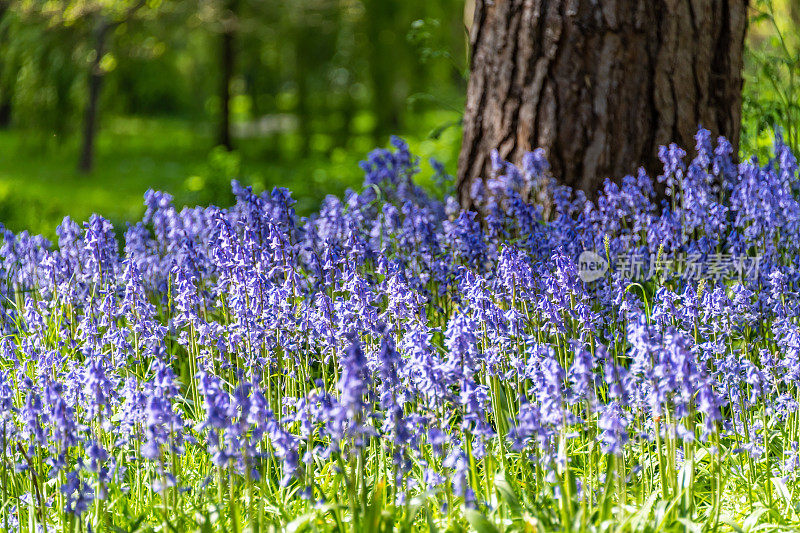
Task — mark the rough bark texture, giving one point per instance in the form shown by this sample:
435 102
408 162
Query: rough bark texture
599 84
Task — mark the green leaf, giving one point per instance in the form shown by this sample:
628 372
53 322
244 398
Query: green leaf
685 476
429 518
507 493
439 130
372 517
694 527
755 19
752 519
300 524
641 518
781 487
206 527
480 523
731 524
413 509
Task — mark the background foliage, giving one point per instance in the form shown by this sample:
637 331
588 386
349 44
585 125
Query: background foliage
316 85
772 76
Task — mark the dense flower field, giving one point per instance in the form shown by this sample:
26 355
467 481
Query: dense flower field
392 362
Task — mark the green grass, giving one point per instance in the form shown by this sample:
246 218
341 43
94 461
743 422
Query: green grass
40 184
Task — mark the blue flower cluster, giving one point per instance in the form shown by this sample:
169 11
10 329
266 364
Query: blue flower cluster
394 347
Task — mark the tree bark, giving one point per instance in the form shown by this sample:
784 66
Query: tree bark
95 84
599 84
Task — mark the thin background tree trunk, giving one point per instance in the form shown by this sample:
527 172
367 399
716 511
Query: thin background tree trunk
384 60
6 91
95 84
227 59
599 84
102 35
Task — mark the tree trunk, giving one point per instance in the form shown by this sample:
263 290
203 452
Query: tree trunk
6 91
794 12
384 60
599 84
5 112
95 84
303 66
227 58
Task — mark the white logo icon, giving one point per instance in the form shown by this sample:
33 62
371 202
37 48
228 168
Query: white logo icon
591 266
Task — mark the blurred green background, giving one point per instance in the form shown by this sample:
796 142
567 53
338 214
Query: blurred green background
313 85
